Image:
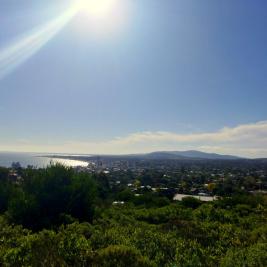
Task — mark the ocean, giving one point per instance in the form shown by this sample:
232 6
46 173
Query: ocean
34 159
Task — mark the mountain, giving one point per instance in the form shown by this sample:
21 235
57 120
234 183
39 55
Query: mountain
190 154
159 155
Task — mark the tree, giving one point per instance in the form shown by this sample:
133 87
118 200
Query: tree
191 202
45 195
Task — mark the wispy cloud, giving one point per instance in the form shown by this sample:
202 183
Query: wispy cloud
248 140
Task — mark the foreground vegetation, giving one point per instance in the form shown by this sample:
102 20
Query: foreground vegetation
58 217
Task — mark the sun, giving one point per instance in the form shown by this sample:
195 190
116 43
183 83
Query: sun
98 8
104 18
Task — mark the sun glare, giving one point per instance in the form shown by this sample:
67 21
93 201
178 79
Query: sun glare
103 18
98 8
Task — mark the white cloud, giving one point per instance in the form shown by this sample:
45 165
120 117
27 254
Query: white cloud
248 140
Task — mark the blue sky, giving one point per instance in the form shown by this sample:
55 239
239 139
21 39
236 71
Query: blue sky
173 68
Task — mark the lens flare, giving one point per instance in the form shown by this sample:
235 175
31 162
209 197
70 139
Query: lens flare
23 48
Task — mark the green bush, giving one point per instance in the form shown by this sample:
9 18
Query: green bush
120 256
253 256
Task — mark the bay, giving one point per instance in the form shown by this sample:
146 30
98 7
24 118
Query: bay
35 159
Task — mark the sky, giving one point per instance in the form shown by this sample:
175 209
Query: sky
132 76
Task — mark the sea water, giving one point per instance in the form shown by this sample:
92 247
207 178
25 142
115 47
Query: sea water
34 159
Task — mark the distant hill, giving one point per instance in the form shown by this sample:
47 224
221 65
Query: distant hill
159 155
192 154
